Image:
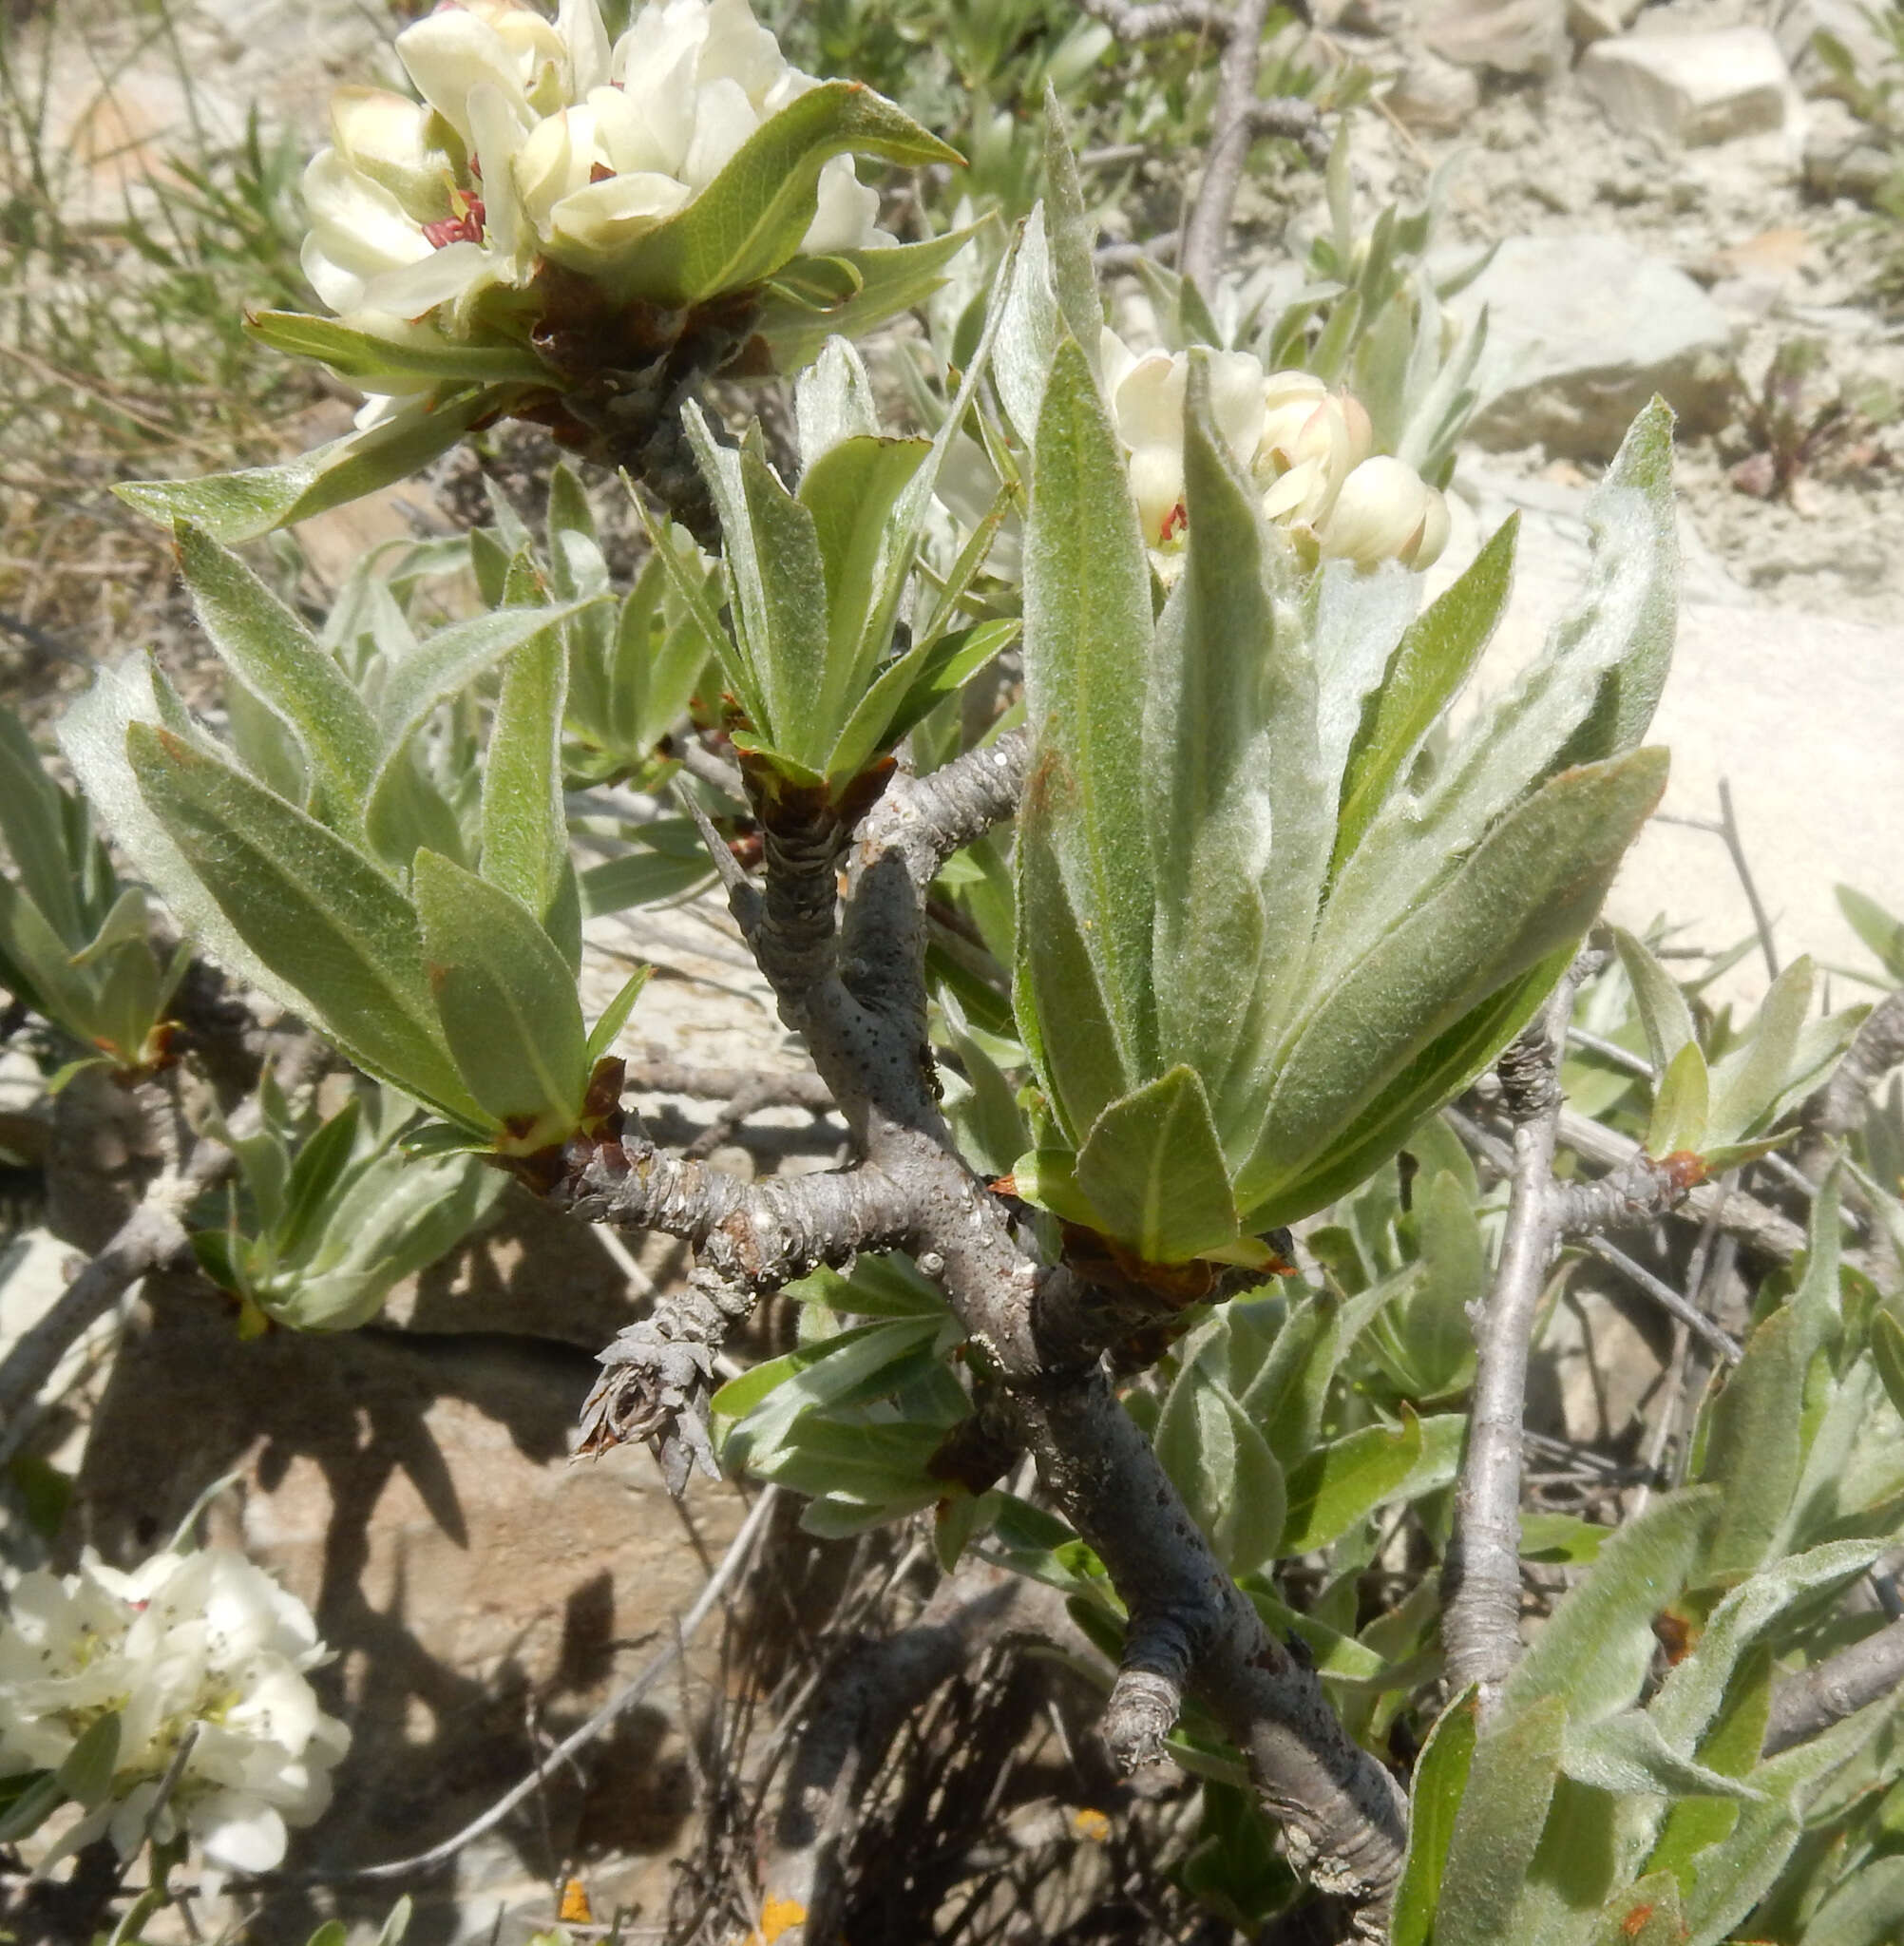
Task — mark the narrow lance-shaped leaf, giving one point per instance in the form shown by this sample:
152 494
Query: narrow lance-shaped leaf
524 826
327 924
506 1000
1087 644
32 824
278 660
1509 1786
1154 1169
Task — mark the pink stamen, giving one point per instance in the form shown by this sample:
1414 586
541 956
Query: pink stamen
467 228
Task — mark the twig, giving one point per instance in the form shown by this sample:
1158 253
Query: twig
1728 830
699 761
1233 129
1667 1298
1482 1579
1838 1687
1841 1104
624 1700
1144 23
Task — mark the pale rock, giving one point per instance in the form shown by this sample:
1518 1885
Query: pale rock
416 1492
1582 331
1506 36
1599 20
1433 96
1691 88
1844 156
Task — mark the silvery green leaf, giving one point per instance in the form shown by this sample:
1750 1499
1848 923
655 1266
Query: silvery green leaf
264 745
335 932
640 878
92 733
313 1180
1434 1799
1073 236
1593 1653
241 506
832 401
1664 1012
361 354
1222 1467
1749 1077
750 219
27 1802
766 1398
1154 1171
1427 671
1682 1106
1028 330
279 660
1647 1914
1626 1756
525 824
1087 647
911 686
1532 885
1228 759
506 1000
990 1125
1624 616
1865 1909
607 1029
85 1776
1691 1696
1497 1828
1877 927
1730 1878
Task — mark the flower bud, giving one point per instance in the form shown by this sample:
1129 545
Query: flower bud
1386 511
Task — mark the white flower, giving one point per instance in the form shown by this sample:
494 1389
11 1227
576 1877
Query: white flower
1304 445
538 141
201 1641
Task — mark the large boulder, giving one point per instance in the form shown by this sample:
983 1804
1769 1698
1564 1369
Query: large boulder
1582 331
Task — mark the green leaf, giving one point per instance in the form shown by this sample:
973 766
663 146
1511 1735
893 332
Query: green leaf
851 492
1534 883
278 660
1754 1449
1866 1909
314 1178
1877 927
768 1397
1154 1172
86 1775
1644 1915
640 878
1336 1485
1887 1354
750 219
1087 647
525 826
890 281
1593 1653
911 686
36 1796
1625 1755
1747 1080
1680 1106
318 914
1222 1467
1661 1005
1497 1828
1435 1799
602 1037
506 1000
361 354
32 824
1074 235
1425 674
241 506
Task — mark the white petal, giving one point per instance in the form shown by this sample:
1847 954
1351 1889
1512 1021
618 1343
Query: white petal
498 133
1115 360
625 138
555 161
1236 402
724 118
846 210
578 22
359 226
1380 513
1149 402
451 53
420 287
237 1831
1157 484
608 216
738 49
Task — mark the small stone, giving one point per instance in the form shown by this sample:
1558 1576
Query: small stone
1844 156
1433 96
1507 36
1582 331
1691 88
1599 20
1796 23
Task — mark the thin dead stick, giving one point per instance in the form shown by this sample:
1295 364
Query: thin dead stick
1482 1579
1728 831
1666 1297
624 1700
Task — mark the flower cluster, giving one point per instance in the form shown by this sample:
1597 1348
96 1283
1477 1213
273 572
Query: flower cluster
1308 449
538 141
203 1644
